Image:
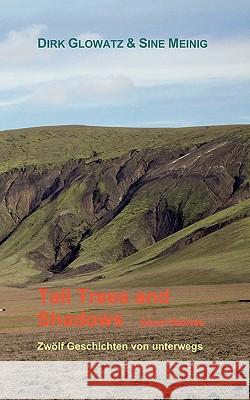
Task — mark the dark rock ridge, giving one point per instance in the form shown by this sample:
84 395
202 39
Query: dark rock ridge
197 235
191 183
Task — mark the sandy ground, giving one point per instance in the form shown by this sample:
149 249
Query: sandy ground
224 336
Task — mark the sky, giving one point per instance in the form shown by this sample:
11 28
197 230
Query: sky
122 87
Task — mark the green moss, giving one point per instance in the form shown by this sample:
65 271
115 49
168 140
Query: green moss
221 257
105 246
54 145
101 186
34 233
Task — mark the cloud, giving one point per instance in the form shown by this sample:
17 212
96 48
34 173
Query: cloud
89 36
84 90
14 102
82 76
20 46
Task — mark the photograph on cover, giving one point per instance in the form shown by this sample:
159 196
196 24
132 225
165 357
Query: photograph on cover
124 199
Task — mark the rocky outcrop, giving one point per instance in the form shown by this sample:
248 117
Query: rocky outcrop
192 183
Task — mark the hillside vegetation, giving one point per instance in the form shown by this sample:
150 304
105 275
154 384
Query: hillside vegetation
117 207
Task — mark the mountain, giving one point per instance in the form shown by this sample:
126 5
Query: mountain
117 207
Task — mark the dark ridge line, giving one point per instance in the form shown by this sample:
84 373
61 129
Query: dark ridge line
45 199
142 180
62 265
51 196
197 235
71 256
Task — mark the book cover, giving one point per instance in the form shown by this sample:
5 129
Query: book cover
124 199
